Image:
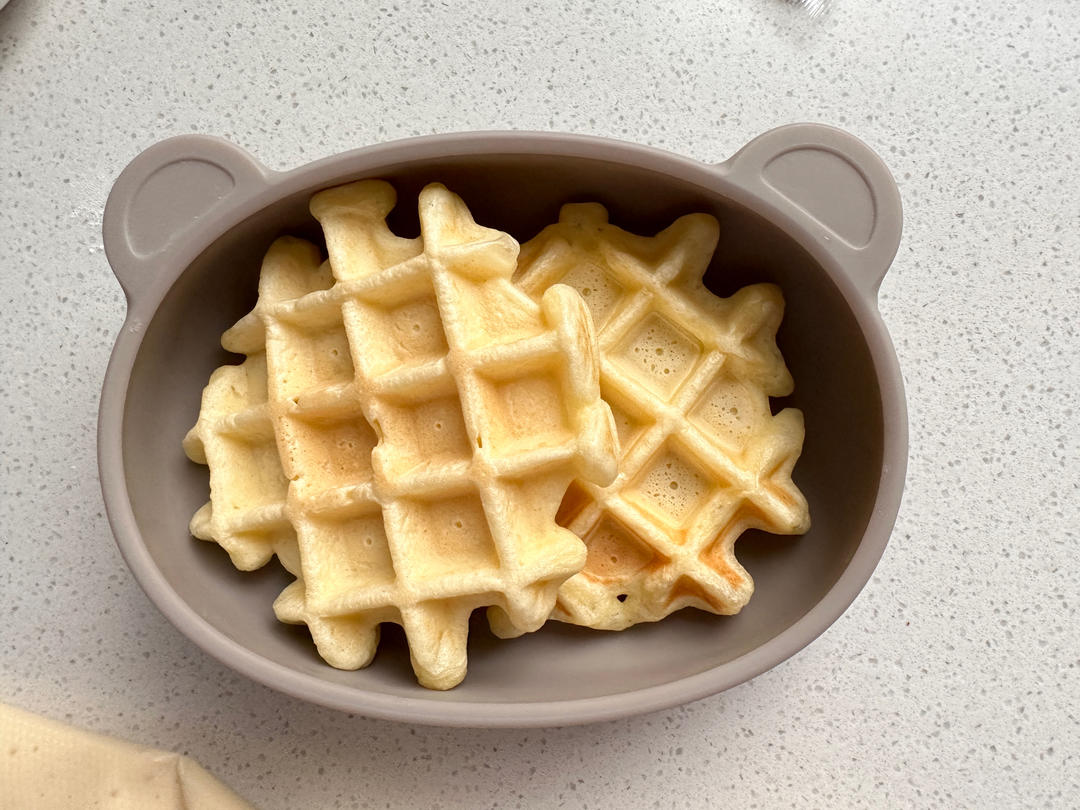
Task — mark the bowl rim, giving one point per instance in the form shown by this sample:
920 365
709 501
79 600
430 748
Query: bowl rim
268 187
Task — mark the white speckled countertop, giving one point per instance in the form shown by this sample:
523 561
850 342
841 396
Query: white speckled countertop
953 680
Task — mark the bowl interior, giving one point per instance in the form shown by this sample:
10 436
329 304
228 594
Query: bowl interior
836 388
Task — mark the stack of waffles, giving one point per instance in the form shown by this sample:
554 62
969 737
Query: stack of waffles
423 427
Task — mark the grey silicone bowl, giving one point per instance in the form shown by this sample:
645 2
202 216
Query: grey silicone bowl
806 206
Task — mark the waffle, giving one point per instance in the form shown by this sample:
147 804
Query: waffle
235 437
688 377
428 419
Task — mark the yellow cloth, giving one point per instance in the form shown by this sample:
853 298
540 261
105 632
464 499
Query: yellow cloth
45 764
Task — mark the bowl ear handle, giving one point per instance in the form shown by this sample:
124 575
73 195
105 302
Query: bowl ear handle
835 186
164 194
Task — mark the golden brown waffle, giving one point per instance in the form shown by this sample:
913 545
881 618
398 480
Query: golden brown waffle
688 376
429 417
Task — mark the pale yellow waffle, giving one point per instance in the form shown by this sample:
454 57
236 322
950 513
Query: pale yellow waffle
688 376
235 437
428 416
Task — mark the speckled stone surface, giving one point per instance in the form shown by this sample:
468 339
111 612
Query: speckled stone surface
954 679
